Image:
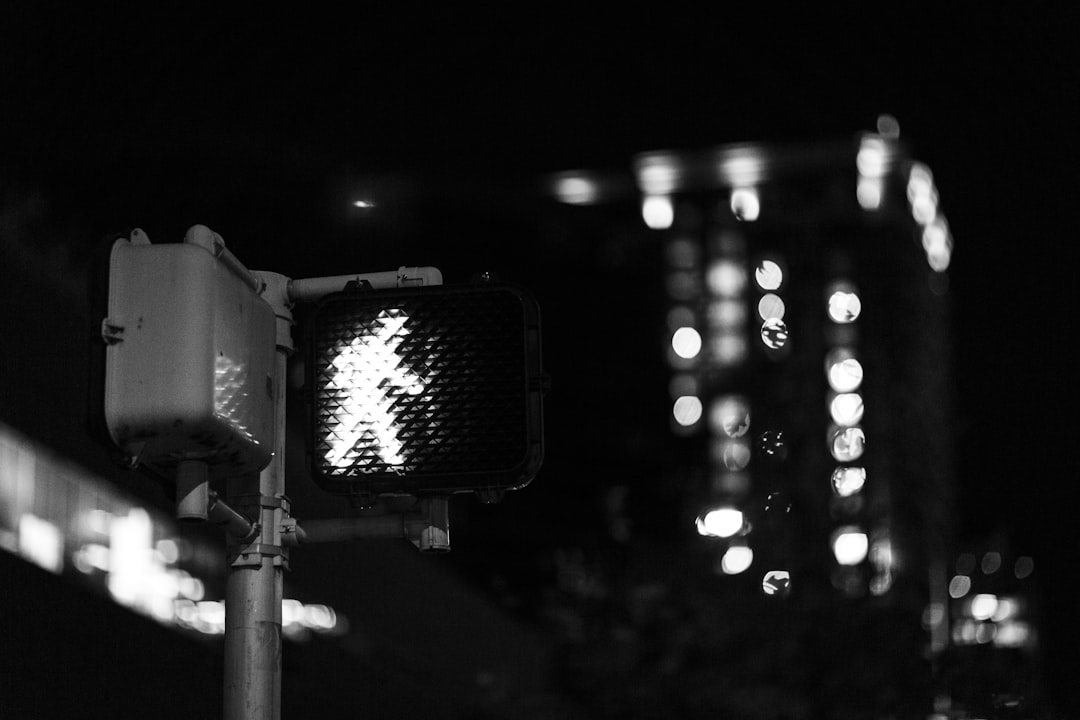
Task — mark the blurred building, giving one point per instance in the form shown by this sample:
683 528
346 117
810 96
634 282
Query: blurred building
810 400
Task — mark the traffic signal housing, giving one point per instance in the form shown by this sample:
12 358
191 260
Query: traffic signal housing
425 390
189 352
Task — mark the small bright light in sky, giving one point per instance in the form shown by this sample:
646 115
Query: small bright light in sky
686 342
363 204
657 212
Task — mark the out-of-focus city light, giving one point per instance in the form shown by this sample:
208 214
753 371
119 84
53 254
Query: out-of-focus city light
959 586
741 166
937 242
847 409
686 342
1023 567
888 126
848 480
725 278
736 559
769 275
728 348
41 542
576 189
844 306
848 444
658 175
721 522
991 563
734 454
730 415
868 192
774 333
771 306
850 546
745 204
683 253
871 160
776 582
687 410
363 204
726 314
845 372
983 606
657 211
683 285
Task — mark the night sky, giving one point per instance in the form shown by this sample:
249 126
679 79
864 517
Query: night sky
265 125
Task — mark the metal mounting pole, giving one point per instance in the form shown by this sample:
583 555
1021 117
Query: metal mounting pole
254 585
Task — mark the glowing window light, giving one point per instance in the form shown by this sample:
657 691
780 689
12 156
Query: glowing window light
868 193
847 409
1013 634
734 454
871 158
844 306
687 410
920 181
776 582
850 546
937 242
1007 607
657 211
848 480
731 415
736 559
726 314
728 348
771 306
658 175
721 522
683 285
745 204
41 542
1023 567
959 586
682 253
845 373
576 190
725 278
848 444
686 342
983 606
774 333
924 208
769 275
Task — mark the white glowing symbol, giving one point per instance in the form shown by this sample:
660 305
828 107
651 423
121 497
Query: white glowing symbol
373 375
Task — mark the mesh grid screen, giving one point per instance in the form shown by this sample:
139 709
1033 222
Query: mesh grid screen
420 383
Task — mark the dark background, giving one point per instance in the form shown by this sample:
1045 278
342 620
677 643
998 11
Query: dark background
264 125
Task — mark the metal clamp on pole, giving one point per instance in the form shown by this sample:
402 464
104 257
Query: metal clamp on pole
428 529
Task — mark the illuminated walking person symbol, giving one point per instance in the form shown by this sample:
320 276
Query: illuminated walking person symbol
372 375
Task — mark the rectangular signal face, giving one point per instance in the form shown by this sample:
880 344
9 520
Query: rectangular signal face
431 389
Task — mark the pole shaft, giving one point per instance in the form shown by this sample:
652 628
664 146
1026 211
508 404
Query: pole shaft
253 592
